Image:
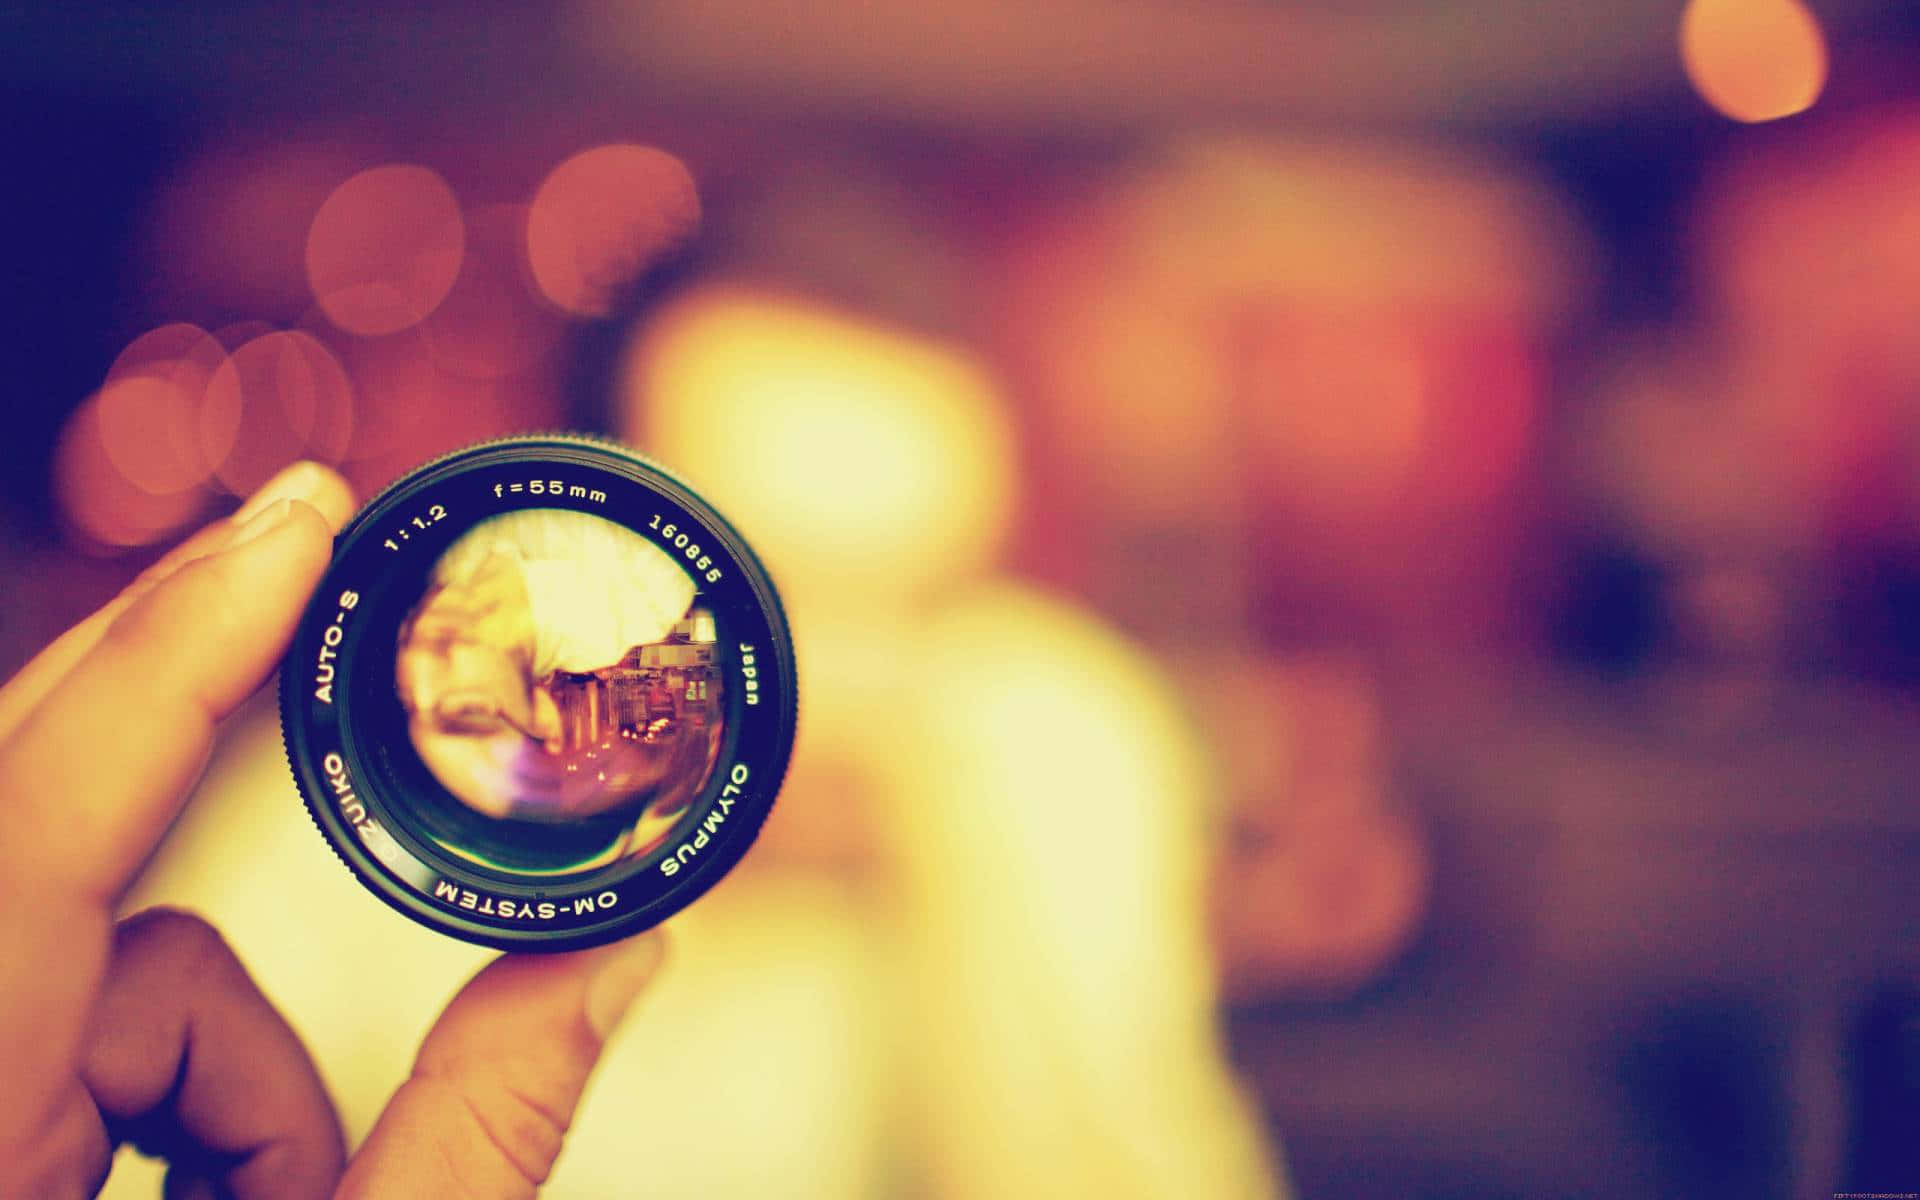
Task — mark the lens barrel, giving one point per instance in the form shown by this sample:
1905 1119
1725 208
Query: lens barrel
543 697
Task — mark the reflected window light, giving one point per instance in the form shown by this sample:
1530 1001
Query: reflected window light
1754 60
385 248
600 217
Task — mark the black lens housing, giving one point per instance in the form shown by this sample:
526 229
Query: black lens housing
390 819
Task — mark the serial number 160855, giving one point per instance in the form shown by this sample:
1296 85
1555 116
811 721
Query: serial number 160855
681 542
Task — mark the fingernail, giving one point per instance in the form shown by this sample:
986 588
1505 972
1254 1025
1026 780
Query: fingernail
301 481
265 521
619 979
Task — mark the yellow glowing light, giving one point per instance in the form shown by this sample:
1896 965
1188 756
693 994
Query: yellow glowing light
385 248
856 456
1067 1006
1754 60
600 217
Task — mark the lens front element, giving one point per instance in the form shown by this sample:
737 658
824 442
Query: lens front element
544 696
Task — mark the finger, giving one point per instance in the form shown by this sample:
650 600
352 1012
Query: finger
98 769
67 1154
46 669
187 1059
92 777
311 483
494 1088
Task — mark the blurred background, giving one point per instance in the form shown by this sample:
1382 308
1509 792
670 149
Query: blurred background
1356 567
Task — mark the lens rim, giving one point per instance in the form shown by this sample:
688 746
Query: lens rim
358 773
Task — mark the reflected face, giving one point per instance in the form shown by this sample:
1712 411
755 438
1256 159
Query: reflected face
456 681
560 667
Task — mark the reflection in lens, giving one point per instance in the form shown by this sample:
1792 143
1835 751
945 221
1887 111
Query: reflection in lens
561 669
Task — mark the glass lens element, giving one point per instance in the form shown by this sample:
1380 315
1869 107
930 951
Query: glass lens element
560 668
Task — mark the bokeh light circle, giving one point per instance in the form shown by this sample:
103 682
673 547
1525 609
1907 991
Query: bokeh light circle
857 455
148 406
108 511
600 217
1754 60
385 248
278 398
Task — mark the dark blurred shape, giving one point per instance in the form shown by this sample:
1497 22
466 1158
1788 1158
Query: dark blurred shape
224 235
1877 611
1885 1050
1608 610
1704 1079
1655 963
63 312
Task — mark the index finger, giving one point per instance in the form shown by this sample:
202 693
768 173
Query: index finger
306 481
92 777
97 770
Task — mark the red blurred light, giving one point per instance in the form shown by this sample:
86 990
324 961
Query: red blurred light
384 249
408 409
600 217
280 397
149 404
106 508
166 350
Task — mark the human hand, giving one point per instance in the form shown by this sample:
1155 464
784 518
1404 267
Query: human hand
149 1029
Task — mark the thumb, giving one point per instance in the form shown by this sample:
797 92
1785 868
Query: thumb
497 1079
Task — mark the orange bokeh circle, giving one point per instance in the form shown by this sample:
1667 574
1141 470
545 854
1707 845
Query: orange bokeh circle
278 398
148 405
385 248
600 217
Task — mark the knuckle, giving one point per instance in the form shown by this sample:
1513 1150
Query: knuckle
198 595
175 933
208 590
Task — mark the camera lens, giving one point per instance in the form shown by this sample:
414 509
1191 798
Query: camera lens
543 697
